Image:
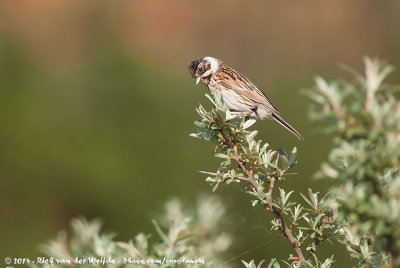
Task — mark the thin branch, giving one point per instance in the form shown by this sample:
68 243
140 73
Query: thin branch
236 158
287 232
250 178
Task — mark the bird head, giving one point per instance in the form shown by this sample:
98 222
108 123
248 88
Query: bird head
201 68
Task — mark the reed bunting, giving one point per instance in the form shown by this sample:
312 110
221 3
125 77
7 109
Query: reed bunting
236 90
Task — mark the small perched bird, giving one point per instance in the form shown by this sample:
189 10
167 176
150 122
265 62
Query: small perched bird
236 90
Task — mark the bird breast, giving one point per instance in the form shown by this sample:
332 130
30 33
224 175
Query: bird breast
230 97
233 100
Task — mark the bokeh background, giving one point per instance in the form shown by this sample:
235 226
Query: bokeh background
96 105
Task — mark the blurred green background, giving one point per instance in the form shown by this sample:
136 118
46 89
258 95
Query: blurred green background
96 105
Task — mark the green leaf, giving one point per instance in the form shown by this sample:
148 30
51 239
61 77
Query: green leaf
261 262
292 156
292 165
211 99
215 187
306 199
163 236
273 263
365 248
249 264
314 198
199 123
262 150
317 220
281 152
284 162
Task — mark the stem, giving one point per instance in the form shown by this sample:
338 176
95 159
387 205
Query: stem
286 230
270 207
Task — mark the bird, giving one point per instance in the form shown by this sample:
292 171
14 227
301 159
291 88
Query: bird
236 90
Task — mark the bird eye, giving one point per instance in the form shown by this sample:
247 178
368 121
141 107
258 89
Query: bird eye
200 69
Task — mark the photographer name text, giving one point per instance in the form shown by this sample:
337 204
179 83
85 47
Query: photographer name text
100 261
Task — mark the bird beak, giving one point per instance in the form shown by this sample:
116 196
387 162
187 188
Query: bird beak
198 80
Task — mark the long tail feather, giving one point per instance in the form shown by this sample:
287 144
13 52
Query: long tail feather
286 125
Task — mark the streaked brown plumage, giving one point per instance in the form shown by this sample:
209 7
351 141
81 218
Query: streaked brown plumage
236 90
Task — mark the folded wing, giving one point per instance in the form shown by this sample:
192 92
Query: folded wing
244 87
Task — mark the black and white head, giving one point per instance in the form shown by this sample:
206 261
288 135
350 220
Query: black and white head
202 68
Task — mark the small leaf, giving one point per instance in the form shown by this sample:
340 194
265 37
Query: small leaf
292 156
306 219
211 99
252 135
308 201
209 179
250 264
199 123
248 123
314 198
215 187
261 262
163 236
262 150
281 152
292 165
364 249
284 162
317 220
273 263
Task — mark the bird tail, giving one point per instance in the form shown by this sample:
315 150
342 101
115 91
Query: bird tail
286 125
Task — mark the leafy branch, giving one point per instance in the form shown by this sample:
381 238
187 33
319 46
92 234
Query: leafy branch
364 116
185 237
245 159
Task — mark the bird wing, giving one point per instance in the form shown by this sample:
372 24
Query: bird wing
244 87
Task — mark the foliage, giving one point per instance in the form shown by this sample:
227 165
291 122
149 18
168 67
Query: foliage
364 117
243 159
185 237
362 209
